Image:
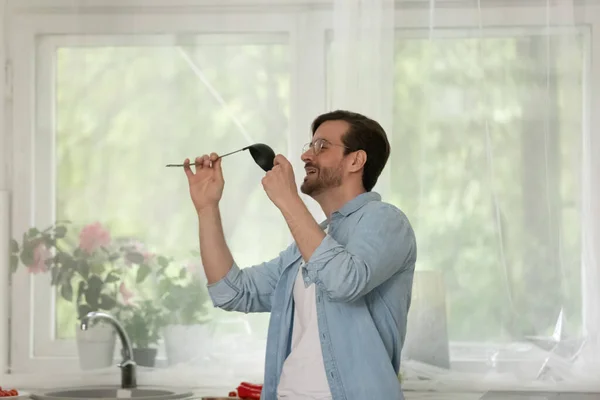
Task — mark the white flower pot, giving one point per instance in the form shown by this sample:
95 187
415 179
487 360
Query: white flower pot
188 344
96 346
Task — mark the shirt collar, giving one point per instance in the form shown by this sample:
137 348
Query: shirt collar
357 202
353 205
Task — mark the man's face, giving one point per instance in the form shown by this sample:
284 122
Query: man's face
325 169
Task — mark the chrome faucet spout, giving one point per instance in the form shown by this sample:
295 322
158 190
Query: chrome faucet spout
127 365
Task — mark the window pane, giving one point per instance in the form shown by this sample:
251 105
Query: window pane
123 113
486 149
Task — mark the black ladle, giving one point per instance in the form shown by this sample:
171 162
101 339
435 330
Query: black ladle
262 154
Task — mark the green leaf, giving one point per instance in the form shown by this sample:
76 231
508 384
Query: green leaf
161 271
55 274
135 257
163 261
27 256
65 277
83 310
164 287
49 241
107 302
92 294
142 273
182 273
66 260
171 303
32 232
60 232
83 268
112 277
14 246
95 283
14 263
97 269
80 291
66 291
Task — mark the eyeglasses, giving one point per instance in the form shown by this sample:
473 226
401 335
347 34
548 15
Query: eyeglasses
319 145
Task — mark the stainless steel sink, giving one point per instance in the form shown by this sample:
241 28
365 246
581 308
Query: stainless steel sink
112 393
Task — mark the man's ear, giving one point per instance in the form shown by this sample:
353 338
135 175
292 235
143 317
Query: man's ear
357 161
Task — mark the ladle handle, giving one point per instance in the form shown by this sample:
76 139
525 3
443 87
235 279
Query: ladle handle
224 155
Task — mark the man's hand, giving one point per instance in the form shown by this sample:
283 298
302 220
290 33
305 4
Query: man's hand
206 185
280 184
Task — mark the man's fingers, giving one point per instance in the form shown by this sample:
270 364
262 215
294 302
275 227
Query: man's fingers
198 163
280 160
217 166
205 161
187 169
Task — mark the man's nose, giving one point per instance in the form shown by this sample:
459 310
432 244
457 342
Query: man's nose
307 155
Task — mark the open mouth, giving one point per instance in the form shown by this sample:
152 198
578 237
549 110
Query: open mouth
310 171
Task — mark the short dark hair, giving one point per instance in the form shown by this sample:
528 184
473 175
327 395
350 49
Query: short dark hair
363 134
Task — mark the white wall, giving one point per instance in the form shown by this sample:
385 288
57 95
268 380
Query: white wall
4 198
3 134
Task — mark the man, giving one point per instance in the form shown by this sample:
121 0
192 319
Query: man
339 295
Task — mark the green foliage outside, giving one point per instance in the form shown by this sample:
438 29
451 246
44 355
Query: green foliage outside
486 171
486 153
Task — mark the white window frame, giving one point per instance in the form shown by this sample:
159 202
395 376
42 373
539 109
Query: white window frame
306 23
32 312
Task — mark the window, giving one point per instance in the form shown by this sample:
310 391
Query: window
496 214
113 140
492 181
111 112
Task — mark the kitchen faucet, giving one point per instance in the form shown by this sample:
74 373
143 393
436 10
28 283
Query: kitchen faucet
128 374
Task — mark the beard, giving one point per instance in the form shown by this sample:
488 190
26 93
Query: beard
323 179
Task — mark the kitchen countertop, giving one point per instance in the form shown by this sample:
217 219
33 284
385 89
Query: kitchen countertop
416 395
437 395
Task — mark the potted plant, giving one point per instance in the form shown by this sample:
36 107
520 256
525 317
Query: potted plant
186 301
143 322
85 272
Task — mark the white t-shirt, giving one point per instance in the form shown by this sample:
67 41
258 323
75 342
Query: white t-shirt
303 376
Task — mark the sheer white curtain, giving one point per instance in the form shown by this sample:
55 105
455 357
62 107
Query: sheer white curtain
491 162
487 108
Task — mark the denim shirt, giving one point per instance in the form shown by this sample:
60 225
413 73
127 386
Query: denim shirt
363 272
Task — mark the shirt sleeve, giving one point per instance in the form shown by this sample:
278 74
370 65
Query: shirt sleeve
249 289
382 244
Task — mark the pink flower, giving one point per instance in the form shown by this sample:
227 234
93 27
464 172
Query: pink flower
41 254
92 237
126 293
